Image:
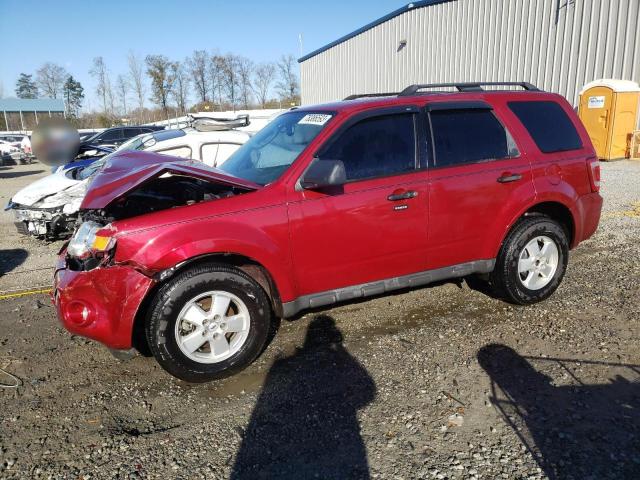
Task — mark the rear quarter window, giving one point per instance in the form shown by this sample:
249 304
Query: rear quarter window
548 124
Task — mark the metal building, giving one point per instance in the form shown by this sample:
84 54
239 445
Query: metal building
558 45
21 114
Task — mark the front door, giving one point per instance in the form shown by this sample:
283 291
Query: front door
375 226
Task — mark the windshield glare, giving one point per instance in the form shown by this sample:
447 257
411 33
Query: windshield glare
270 151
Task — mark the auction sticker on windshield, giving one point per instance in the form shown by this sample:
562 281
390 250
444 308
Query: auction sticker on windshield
314 119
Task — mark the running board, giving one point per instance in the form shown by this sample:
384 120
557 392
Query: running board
345 294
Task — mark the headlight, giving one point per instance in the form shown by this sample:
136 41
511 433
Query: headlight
86 242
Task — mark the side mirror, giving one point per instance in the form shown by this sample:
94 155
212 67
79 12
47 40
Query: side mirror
323 173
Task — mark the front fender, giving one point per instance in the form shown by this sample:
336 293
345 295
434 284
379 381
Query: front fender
261 235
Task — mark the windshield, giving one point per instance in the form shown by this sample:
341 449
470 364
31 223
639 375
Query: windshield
136 143
270 151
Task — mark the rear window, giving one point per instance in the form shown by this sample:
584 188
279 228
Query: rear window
466 136
548 125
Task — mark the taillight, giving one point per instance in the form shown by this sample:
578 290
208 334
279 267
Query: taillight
594 174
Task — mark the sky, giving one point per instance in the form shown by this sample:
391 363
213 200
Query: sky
71 33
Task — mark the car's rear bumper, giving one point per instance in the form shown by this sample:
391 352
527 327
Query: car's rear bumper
100 304
589 207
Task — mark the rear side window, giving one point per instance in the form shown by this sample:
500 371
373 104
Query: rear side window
115 134
376 147
469 135
184 152
548 125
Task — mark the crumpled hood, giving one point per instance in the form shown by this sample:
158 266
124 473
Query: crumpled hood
33 193
128 170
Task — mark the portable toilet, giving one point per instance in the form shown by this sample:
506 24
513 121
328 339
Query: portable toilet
609 111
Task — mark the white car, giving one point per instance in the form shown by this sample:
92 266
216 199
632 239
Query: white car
10 153
49 206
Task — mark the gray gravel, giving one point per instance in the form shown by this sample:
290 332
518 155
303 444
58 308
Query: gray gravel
442 382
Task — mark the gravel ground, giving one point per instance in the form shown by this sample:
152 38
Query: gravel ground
442 382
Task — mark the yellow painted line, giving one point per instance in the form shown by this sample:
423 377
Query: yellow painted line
24 293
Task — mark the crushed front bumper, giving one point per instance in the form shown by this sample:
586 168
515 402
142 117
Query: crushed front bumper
42 222
100 304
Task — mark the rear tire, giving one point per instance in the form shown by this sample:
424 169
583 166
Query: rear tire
209 322
532 261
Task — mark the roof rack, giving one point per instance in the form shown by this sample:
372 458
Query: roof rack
211 124
461 87
465 86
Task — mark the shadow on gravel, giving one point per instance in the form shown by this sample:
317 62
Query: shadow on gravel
578 431
19 174
304 424
12 258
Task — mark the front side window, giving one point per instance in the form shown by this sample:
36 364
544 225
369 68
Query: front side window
548 125
376 147
469 135
274 148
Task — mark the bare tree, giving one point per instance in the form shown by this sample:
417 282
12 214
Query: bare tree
160 71
122 87
263 77
245 71
136 72
103 87
198 65
231 78
216 77
288 84
50 79
180 90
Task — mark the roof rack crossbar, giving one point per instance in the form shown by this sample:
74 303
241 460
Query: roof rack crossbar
464 87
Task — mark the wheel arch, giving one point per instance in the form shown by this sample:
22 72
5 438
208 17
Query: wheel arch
554 209
251 267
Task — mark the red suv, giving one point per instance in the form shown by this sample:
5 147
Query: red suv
327 204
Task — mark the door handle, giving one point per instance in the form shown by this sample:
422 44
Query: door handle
506 178
402 196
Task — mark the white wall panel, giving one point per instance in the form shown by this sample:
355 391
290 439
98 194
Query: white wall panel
559 45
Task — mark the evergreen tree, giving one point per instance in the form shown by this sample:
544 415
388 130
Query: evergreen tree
26 86
73 94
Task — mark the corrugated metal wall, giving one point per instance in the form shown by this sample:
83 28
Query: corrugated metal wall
558 45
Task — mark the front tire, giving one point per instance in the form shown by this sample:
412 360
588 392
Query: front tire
209 322
532 261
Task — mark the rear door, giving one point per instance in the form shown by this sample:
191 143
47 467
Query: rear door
373 227
477 177
559 155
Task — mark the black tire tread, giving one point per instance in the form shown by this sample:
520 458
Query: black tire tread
501 279
201 374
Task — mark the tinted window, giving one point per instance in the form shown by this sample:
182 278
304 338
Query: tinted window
465 136
548 125
376 147
109 135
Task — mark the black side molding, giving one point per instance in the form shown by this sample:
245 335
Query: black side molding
330 297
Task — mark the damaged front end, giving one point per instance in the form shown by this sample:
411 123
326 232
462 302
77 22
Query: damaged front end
44 222
138 183
97 293
49 208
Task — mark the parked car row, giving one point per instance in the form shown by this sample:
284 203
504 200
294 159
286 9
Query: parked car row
49 207
15 149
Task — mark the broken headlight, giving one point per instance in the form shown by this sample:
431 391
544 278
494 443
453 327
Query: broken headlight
89 241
